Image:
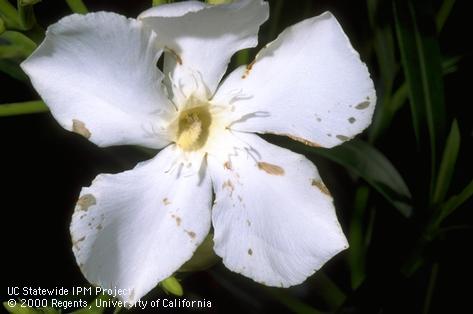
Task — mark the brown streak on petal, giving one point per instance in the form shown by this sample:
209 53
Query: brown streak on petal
270 168
250 252
166 201
343 138
85 201
320 186
175 55
299 139
79 128
248 69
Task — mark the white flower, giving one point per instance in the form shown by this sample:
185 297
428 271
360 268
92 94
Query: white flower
273 218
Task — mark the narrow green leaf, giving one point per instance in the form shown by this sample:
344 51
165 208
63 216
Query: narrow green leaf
159 2
293 304
27 107
242 57
9 15
430 288
444 13
356 238
370 164
457 200
447 165
420 56
77 6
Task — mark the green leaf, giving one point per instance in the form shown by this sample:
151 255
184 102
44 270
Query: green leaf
17 46
371 165
77 6
447 165
2 26
9 15
27 107
420 56
159 2
11 68
444 13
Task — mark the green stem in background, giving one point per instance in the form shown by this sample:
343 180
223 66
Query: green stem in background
26 13
275 17
443 14
430 288
292 303
35 106
77 6
356 238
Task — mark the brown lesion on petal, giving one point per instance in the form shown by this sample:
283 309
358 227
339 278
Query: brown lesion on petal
85 201
248 69
319 184
250 252
191 234
228 184
342 138
75 243
351 120
178 219
362 105
166 202
270 168
227 165
79 128
174 54
99 227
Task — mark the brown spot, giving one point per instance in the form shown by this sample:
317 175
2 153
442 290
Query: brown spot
99 227
319 119
191 234
166 202
270 168
248 223
240 198
250 252
76 242
343 137
227 165
228 184
329 135
79 128
248 69
175 55
320 186
351 120
85 201
362 105
178 219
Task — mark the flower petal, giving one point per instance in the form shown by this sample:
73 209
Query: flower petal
133 229
200 39
97 73
273 218
309 84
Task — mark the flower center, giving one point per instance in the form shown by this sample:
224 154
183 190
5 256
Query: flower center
193 128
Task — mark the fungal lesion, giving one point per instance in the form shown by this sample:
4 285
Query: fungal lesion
270 168
79 127
85 201
321 186
362 105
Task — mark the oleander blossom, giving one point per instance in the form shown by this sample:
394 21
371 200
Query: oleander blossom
273 218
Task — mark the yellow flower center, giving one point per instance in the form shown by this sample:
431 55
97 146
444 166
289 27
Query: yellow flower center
193 128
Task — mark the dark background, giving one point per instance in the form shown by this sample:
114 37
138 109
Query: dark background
44 167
